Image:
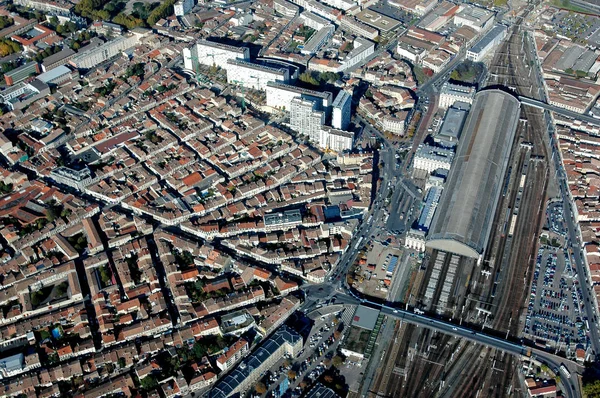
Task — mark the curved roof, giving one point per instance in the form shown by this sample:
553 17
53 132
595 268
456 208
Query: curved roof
464 217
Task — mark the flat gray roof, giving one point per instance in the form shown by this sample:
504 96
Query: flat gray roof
488 38
365 317
464 216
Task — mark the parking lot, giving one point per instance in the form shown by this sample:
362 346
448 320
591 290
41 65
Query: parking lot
554 309
319 350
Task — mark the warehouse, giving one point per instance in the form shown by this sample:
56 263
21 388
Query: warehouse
464 217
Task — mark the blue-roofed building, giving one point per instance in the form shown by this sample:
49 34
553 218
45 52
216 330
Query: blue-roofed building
486 43
392 264
284 341
431 201
12 365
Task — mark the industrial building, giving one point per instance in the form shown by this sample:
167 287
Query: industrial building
280 96
58 75
341 115
211 53
284 341
464 216
251 75
452 93
486 43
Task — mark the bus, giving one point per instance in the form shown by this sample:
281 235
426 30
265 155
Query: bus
566 372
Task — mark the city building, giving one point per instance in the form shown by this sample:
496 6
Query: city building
286 8
256 76
73 178
451 93
335 140
307 119
282 221
21 73
377 20
429 206
233 354
284 341
415 239
319 9
60 58
340 4
318 40
488 42
463 219
362 50
60 7
452 125
211 53
280 96
356 27
341 110
474 17
88 59
58 75
22 94
320 391
182 7
430 158
313 21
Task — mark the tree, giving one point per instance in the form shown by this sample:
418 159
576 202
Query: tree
308 78
337 361
260 388
291 374
328 379
591 389
148 383
337 334
162 11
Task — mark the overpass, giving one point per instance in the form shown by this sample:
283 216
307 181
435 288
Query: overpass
561 111
439 325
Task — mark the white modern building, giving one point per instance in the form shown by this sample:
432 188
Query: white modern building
430 158
362 50
313 21
182 7
335 139
280 96
352 25
474 17
488 42
452 93
254 76
341 113
286 8
95 56
318 8
318 40
306 119
211 53
395 123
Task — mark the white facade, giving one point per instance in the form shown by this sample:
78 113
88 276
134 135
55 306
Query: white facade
341 115
474 17
393 125
336 140
254 76
362 50
356 27
182 7
106 51
306 119
211 53
318 40
280 96
452 93
285 8
415 239
313 21
340 4
488 42
431 158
